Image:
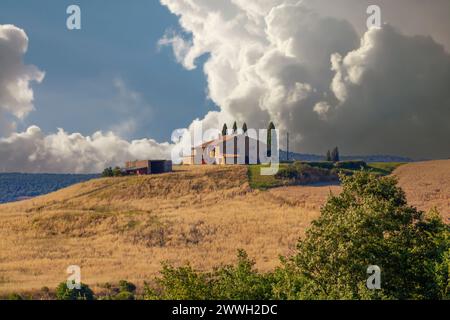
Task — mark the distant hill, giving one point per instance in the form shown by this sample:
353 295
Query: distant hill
19 186
368 158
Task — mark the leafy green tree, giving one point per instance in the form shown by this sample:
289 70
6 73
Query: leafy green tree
269 138
182 283
117 172
64 293
240 282
370 223
108 172
224 130
126 286
244 128
235 127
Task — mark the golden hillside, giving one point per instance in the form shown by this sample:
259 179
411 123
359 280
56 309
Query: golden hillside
427 185
123 228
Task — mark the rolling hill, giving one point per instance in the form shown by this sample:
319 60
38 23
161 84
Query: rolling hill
123 228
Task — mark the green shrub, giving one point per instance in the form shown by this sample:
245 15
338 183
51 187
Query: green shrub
108 172
351 165
126 286
117 172
370 223
64 293
303 173
290 172
15 296
241 282
124 295
322 164
182 283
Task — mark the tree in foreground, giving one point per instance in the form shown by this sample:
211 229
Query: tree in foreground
63 292
239 282
370 223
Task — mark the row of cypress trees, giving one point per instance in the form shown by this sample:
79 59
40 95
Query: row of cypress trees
245 129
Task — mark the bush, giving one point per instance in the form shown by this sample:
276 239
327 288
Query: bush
290 172
124 295
351 165
117 172
107 173
370 223
240 282
64 293
126 286
322 164
15 296
182 283
304 174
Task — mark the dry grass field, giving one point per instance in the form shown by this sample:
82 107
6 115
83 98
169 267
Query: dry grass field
427 185
123 228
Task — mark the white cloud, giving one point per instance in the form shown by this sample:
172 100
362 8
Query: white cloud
33 151
312 75
16 95
267 60
322 108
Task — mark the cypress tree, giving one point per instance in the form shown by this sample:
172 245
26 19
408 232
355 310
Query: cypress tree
224 130
244 128
328 157
269 139
335 155
235 127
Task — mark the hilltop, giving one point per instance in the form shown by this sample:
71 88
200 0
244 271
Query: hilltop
123 228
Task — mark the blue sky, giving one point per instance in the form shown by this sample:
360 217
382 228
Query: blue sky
85 69
267 61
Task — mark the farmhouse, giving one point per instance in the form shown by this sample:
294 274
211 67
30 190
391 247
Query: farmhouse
143 167
229 149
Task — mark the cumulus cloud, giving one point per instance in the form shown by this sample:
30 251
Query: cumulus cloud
16 95
33 151
312 75
266 60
